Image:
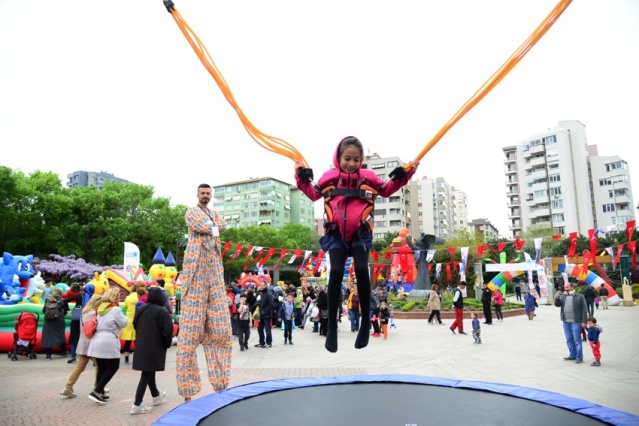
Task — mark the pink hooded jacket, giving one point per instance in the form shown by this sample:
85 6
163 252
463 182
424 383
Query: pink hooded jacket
347 211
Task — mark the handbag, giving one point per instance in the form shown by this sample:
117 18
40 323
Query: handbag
90 326
76 313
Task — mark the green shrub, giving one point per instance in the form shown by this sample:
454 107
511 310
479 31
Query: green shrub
408 306
635 291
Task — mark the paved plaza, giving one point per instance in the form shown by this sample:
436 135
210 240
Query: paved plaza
516 351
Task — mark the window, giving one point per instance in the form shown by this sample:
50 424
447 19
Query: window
377 166
554 178
616 165
392 164
549 140
553 166
379 212
380 223
557 204
559 217
555 191
608 208
552 152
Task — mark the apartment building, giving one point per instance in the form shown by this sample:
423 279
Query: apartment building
437 208
81 178
555 179
262 201
390 213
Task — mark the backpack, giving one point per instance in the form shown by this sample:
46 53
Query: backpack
90 326
52 310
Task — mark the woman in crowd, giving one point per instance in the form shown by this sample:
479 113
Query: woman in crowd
128 332
105 343
53 329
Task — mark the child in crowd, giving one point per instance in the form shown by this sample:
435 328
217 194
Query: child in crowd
476 328
384 316
286 315
315 316
597 302
594 331
349 193
244 322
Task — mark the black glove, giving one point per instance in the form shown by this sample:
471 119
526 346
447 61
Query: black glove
306 174
398 172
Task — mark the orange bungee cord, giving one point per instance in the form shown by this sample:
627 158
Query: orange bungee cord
280 146
268 142
494 79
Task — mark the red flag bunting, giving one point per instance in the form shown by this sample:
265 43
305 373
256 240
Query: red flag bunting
238 250
557 237
501 247
451 251
449 274
318 262
573 244
227 246
249 253
592 236
632 247
282 254
519 244
630 229
271 252
375 256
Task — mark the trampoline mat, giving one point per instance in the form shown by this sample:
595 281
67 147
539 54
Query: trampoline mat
391 404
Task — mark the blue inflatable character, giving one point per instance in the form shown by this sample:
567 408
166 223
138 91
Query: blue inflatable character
15 273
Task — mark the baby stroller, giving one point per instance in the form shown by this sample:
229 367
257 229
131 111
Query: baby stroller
25 336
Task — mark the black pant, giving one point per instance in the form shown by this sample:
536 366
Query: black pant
591 307
374 324
244 332
498 312
487 313
435 313
107 367
147 378
360 260
518 295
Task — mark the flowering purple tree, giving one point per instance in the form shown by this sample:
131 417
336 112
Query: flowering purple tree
69 268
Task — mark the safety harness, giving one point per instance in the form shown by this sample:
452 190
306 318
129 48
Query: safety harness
364 192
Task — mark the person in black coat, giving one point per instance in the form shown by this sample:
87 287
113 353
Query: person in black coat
322 304
265 304
486 298
154 329
590 295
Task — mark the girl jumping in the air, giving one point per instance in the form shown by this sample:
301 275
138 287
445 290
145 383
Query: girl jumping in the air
349 194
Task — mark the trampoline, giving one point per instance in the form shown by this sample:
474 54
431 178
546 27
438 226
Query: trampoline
389 400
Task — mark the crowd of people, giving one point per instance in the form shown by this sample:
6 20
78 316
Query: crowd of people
143 322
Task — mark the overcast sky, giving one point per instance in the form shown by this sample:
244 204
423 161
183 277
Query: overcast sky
114 86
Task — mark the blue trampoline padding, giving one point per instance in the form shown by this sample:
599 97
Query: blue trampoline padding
191 413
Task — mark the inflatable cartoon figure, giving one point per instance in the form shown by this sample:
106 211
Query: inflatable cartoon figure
34 289
171 274
100 283
158 270
403 266
15 273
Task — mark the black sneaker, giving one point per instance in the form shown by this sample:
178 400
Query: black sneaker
290 342
452 331
260 346
95 398
579 361
464 333
267 346
569 358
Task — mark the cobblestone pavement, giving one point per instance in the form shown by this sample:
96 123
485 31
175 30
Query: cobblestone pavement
515 351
